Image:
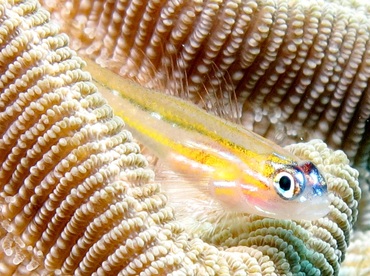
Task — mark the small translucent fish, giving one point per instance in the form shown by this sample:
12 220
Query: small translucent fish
243 170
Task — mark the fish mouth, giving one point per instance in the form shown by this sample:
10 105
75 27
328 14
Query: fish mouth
312 209
310 213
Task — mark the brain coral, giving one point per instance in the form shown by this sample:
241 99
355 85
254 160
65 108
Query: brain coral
77 197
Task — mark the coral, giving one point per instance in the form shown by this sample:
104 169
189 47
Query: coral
78 198
357 260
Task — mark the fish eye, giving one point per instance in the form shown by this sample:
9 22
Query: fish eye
287 184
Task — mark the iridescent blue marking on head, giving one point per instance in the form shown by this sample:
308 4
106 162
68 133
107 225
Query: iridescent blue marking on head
314 178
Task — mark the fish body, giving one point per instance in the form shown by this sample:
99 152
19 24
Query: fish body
243 170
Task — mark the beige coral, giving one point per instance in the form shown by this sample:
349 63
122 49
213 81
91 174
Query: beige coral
77 196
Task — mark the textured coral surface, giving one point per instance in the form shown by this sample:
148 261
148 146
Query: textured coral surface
78 198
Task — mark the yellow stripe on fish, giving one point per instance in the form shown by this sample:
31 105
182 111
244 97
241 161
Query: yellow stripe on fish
244 171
